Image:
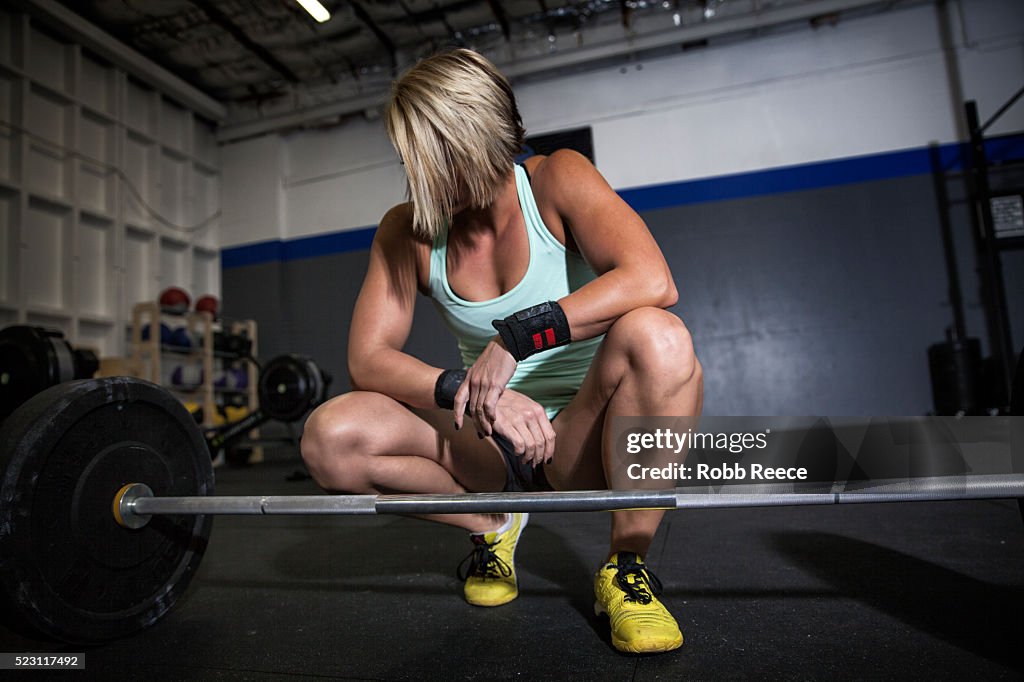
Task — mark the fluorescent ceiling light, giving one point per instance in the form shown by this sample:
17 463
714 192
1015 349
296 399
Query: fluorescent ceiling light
318 11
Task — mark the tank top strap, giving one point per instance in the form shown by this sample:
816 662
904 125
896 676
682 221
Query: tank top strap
438 254
535 226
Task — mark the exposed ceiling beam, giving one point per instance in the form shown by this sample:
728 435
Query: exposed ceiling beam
552 62
264 55
627 13
499 14
382 37
294 119
110 48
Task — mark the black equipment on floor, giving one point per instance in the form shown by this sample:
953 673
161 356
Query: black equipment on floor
35 358
289 387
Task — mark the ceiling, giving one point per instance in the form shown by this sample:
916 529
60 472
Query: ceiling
266 59
254 50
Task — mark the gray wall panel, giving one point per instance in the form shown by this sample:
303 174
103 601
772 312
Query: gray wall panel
813 302
256 292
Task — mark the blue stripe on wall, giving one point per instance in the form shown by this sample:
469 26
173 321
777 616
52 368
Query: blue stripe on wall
295 249
786 179
251 254
334 242
757 183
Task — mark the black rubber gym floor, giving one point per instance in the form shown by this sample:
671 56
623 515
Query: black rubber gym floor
890 591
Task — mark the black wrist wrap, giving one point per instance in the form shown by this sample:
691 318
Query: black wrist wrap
446 387
534 329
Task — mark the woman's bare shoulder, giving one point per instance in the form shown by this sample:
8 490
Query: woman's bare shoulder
560 168
396 236
397 222
396 227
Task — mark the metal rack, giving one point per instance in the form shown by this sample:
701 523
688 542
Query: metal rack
962 381
148 355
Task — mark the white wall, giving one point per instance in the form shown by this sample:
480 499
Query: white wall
109 190
253 196
868 85
350 171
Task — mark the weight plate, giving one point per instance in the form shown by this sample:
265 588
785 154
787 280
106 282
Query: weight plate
290 386
66 565
30 361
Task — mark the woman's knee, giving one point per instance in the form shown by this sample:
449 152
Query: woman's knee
655 341
338 439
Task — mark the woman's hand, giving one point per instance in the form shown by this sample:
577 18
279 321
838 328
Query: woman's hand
485 382
523 423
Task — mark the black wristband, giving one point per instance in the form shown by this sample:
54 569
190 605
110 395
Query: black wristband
534 329
447 386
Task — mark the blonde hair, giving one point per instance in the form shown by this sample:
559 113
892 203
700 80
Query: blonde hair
453 119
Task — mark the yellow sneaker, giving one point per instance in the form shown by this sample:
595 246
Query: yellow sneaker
491 572
625 590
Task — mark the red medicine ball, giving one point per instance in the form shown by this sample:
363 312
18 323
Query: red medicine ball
208 303
174 300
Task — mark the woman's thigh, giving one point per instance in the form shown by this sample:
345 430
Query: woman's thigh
647 350
579 429
363 424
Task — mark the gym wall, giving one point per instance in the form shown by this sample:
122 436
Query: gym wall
109 189
816 295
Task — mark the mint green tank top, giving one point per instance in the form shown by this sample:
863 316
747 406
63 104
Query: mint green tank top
554 376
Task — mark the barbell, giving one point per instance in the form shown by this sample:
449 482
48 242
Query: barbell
106 505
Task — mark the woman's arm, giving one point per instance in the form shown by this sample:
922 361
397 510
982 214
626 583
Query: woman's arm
383 316
632 272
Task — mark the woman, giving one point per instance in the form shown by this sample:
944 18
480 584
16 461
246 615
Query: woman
556 292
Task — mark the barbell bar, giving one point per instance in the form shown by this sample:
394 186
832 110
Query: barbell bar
135 503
